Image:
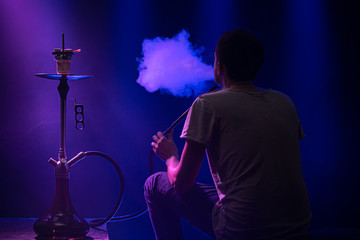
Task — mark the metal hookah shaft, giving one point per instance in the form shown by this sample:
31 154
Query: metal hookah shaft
63 89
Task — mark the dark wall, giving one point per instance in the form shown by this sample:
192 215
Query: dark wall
312 54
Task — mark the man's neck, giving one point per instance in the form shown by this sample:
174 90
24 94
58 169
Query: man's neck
247 86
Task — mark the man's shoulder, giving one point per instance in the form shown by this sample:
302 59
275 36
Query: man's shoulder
226 95
210 98
280 96
211 94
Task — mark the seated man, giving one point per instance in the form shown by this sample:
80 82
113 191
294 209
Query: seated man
251 137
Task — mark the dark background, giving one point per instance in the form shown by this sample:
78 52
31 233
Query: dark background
312 54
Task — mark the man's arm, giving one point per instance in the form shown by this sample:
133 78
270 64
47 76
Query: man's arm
182 174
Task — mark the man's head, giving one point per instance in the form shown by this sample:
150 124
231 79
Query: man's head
240 53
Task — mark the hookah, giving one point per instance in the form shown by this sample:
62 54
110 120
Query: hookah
61 221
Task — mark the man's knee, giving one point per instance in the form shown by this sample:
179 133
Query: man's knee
156 183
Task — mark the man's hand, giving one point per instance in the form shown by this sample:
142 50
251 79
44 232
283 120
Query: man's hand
164 147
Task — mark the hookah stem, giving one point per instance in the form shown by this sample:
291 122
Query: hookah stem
62 129
63 89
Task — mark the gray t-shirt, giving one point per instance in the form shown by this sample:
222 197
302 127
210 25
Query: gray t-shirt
252 143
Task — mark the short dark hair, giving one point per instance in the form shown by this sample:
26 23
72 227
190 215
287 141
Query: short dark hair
241 53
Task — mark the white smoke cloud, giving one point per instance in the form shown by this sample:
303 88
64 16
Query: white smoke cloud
174 66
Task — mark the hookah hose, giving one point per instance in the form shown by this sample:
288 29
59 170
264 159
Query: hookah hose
99 222
82 155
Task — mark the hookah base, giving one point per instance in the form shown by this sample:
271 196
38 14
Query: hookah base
62 238
61 227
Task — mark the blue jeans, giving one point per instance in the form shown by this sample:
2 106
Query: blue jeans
166 207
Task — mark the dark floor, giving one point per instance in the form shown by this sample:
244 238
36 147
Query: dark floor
140 228
22 229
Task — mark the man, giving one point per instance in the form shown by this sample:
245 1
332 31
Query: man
251 137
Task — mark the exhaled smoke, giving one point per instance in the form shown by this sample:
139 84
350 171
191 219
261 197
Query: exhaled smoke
174 66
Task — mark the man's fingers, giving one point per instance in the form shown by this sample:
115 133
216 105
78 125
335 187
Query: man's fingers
162 146
160 135
155 138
